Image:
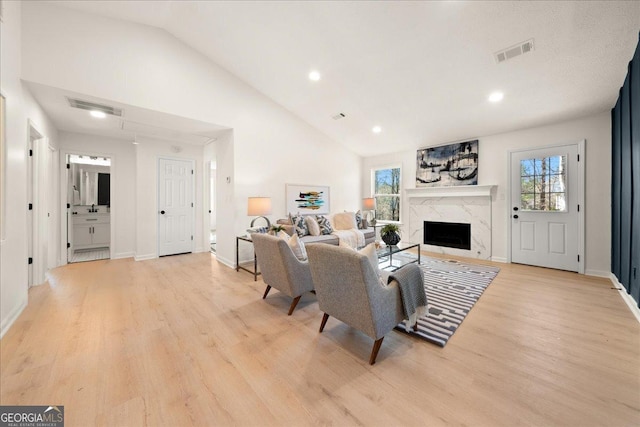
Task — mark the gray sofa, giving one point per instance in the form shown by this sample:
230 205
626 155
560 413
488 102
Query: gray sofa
369 235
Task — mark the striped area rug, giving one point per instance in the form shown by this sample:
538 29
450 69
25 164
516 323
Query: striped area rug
452 289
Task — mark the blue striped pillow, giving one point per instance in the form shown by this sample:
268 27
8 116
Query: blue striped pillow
325 225
300 225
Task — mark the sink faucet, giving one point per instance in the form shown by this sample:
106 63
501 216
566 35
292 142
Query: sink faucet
93 209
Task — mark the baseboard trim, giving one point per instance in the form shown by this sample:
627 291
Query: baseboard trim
499 259
144 257
598 273
633 305
124 255
228 263
6 325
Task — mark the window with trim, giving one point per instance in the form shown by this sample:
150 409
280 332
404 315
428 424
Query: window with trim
386 191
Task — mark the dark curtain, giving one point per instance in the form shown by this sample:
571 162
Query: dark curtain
625 182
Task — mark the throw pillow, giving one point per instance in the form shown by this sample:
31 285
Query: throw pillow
359 219
300 225
325 225
312 225
296 245
370 252
257 230
345 221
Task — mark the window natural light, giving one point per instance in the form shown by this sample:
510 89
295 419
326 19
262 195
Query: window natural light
386 190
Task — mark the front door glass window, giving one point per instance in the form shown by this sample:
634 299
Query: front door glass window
543 184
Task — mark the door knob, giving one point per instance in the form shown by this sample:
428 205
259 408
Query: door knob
515 216
515 208
162 212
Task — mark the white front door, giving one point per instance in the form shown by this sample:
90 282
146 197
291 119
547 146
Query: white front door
546 194
175 207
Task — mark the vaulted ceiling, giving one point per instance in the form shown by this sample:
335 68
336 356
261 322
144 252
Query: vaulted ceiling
422 71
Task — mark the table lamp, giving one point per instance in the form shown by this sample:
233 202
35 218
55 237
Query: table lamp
259 207
369 204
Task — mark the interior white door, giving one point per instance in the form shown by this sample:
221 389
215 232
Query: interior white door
53 173
545 207
175 207
42 212
30 217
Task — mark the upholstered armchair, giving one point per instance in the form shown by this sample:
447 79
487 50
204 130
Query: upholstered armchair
348 288
281 269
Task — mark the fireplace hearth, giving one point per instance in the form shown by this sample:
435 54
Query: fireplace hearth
447 234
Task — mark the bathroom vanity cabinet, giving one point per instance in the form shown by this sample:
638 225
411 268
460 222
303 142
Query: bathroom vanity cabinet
91 231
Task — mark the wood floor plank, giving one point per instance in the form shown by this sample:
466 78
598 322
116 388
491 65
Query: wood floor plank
185 340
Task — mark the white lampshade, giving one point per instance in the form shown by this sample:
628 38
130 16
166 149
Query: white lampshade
369 204
259 206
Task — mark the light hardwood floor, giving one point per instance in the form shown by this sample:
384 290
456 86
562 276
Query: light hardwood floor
185 340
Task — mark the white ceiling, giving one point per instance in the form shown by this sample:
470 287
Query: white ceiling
135 122
420 70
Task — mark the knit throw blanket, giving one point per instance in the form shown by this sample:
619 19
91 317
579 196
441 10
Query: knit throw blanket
353 238
414 299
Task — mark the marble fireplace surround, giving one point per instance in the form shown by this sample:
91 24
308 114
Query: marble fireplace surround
470 204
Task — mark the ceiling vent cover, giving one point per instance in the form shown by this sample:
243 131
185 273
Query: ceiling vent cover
338 116
92 106
513 51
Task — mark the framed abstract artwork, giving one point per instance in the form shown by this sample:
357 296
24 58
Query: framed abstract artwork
307 199
448 165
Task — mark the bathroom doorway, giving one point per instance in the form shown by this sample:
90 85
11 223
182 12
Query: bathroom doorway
88 208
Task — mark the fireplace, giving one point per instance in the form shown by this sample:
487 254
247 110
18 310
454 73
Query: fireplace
464 204
447 234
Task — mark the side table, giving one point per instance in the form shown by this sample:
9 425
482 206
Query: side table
239 267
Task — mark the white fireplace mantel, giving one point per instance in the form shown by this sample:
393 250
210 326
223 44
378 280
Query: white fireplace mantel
454 191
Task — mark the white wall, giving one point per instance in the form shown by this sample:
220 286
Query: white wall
223 151
20 109
493 170
123 182
147 67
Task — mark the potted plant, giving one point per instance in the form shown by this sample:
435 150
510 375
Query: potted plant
390 234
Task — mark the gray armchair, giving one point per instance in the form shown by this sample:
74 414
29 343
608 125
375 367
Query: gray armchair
348 288
281 269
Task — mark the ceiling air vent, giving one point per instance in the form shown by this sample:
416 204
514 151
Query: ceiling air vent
338 116
513 51
92 106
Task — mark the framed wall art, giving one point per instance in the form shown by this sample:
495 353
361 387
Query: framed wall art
307 199
448 165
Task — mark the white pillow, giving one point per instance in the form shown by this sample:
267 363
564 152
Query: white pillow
312 225
345 221
370 252
296 245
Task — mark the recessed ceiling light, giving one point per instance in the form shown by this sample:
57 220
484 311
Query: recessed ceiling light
97 114
314 75
496 97
376 129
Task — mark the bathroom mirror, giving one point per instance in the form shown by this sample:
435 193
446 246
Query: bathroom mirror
89 180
